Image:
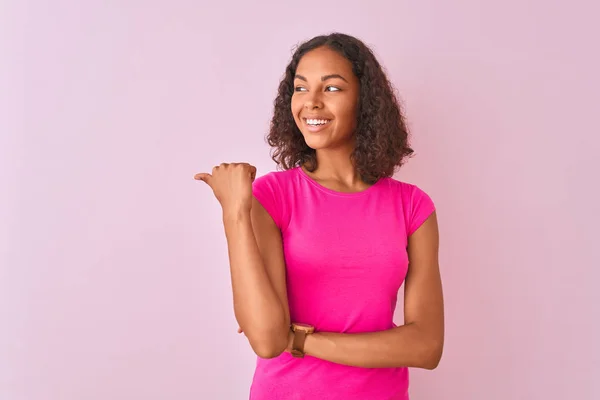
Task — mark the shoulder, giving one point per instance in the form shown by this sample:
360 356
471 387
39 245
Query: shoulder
417 205
276 177
408 192
272 191
275 181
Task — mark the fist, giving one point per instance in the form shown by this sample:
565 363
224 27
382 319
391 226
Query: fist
231 185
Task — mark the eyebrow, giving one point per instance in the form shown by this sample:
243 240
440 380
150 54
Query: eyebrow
323 78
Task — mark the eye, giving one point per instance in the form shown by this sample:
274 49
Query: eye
299 89
332 89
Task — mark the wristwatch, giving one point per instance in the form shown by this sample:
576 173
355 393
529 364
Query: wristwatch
300 333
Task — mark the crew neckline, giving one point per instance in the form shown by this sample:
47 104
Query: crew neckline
335 192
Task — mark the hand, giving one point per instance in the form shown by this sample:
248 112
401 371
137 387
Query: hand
231 185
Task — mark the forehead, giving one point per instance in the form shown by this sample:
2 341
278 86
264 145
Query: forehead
323 61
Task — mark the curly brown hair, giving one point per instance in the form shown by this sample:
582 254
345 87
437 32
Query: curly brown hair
382 137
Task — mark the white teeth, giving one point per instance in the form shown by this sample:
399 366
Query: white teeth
316 121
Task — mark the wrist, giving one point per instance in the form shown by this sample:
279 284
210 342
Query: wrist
301 332
312 343
236 214
320 343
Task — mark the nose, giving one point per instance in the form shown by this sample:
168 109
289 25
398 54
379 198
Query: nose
313 101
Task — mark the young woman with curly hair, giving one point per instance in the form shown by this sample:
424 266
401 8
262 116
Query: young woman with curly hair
319 249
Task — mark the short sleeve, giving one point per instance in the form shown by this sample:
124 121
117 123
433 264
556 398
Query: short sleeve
420 207
266 190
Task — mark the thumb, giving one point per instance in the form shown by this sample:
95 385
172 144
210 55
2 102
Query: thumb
203 177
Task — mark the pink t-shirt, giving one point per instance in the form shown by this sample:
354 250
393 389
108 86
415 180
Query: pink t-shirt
346 259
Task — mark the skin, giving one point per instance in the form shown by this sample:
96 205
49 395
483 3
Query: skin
255 259
325 88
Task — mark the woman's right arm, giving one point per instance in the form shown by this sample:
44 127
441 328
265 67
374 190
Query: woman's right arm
258 278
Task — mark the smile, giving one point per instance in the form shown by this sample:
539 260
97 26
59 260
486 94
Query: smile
316 125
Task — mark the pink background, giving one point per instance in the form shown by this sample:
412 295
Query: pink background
114 276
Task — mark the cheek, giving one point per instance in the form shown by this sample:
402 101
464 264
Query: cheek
295 106
348 114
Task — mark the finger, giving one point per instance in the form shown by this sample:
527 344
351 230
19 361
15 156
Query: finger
252 172
204 177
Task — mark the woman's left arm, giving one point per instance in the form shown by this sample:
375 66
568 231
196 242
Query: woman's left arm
419 342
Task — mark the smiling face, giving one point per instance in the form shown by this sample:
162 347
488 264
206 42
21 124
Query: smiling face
325 99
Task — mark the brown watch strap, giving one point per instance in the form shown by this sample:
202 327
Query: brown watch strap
298 343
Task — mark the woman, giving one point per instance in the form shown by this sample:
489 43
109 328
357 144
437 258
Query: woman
319 249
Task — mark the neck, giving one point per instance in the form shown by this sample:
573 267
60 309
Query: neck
334 165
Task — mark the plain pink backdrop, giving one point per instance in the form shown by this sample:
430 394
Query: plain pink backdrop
114 281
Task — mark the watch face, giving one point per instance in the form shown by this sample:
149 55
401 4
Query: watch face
303 327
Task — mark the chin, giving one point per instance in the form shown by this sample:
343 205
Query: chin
315 143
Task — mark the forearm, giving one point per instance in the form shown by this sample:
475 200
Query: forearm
403 346
258 310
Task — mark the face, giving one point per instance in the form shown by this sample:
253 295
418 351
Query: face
325 99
